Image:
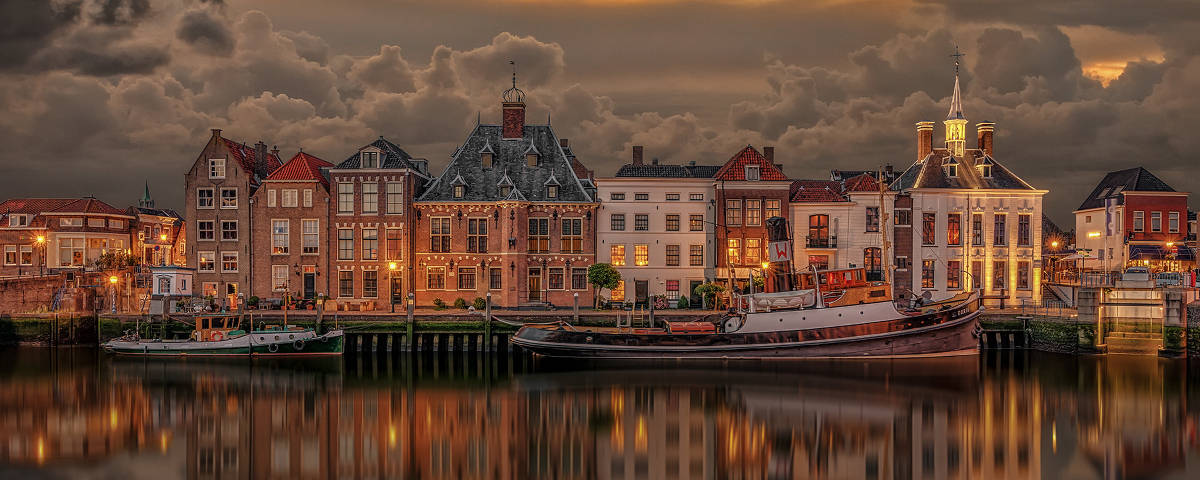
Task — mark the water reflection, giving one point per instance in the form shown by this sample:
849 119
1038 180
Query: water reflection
74 412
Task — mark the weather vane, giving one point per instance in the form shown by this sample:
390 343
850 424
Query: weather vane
514 67
957 56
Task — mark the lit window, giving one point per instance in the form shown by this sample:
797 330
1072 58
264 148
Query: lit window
641 255
734 251
207 262
280 232
733 213
753 251
617 255
279 278
229 262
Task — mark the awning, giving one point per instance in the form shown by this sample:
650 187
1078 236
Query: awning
1159 252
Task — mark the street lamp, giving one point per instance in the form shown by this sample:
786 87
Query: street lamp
112 280
392 286
40 241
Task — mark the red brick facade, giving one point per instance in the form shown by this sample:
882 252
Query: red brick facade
291 230
1161 205
744 202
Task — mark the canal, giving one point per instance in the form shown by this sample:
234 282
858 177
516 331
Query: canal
76 413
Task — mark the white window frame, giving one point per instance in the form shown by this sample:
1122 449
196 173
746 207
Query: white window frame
308 196
21 251
216 168
95 223
281 235
212 230
234 204
289 198
306 235
70 222
757 173
1172 222
212 198
236 231
116 224
212 257
370 199
18 220
345 198
13 250
399 196
276 284
271 202
225 256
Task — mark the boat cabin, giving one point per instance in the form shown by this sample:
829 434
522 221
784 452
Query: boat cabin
835 279
217 328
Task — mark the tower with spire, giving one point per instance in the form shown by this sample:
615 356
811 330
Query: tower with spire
146 201
956 123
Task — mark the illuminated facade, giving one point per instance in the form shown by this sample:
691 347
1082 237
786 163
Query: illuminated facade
1131 217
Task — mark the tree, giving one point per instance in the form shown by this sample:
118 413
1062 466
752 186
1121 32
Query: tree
708 293
601 276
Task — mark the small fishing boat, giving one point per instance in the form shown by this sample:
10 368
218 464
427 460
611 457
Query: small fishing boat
223 335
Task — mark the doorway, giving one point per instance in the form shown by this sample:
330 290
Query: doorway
535 284
310 285
641 289
694 300
397 292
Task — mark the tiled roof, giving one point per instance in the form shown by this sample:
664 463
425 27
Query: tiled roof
246 157
862 183
302 167
160 212
393 157
667 171
817 191
529 183
733 169
930 173
37 206
1135 179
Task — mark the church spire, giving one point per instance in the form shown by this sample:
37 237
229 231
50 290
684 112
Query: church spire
146 201
956 122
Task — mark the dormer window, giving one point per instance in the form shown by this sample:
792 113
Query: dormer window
985 168
552 191
531 159
370 159
485 159
18 221
752 173
505 190
951 166
460 191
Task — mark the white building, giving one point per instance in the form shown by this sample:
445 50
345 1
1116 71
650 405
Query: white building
655 227
974 222
836 223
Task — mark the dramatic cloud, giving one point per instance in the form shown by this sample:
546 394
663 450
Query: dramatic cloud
92 87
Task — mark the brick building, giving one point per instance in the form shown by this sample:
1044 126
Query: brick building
49 234
1133 217
159 238
219 236
290 218
750 188
513 214
370 219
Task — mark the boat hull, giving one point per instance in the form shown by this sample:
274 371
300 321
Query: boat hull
257 344
951 331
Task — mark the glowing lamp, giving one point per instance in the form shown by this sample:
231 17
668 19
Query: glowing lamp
1170 244
40 239
112 279
391 265
766 265
1093 234
1054 244
163 237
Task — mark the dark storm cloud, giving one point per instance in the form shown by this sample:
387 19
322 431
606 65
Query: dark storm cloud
26 26
206 33
119 12
1128 15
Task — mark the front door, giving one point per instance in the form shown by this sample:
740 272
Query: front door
310 285
397 292
694 301
535 284
641 290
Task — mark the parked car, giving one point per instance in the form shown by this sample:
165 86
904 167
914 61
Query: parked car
1168 279
1136 274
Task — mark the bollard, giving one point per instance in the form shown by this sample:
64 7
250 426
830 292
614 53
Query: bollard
408 326
575 315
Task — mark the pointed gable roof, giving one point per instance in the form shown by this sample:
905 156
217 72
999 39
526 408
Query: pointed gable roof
392 157
302 167
863 182
247 157
1136 179
38 206
508 161
734 169
930 173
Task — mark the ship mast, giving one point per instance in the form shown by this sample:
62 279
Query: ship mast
883 222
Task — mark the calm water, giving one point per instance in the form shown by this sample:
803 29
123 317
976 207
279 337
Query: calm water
75 413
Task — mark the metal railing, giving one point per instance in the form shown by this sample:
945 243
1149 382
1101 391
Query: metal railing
820 241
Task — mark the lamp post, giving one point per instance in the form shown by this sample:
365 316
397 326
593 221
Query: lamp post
40 241
392 286
112 280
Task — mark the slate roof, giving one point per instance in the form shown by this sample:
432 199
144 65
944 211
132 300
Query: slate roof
817 191
929 173
159 212
508 159
302 167
1135 179
246 156
667 171
393 157
733 169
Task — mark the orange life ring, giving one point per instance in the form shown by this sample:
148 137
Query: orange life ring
218 336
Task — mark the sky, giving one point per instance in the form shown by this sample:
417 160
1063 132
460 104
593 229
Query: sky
101 96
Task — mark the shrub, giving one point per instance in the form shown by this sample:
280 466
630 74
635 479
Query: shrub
439 304
479 303
460 303
682 303
252 301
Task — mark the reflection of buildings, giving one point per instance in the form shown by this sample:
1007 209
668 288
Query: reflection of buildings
656 433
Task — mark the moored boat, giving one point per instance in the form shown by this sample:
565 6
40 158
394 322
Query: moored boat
222 335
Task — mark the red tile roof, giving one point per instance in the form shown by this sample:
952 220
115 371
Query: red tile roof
302 167
817 191
245 156
56 205
862 183
733 169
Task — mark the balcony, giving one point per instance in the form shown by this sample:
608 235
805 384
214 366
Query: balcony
811 241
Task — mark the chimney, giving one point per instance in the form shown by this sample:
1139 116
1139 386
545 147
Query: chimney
514 120
769 153
562 142
637 154
985 131
924 140
216 133
260 158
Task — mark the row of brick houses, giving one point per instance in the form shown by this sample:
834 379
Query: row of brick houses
517 215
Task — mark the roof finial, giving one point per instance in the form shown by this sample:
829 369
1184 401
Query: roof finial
956 100
514 94
957 57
